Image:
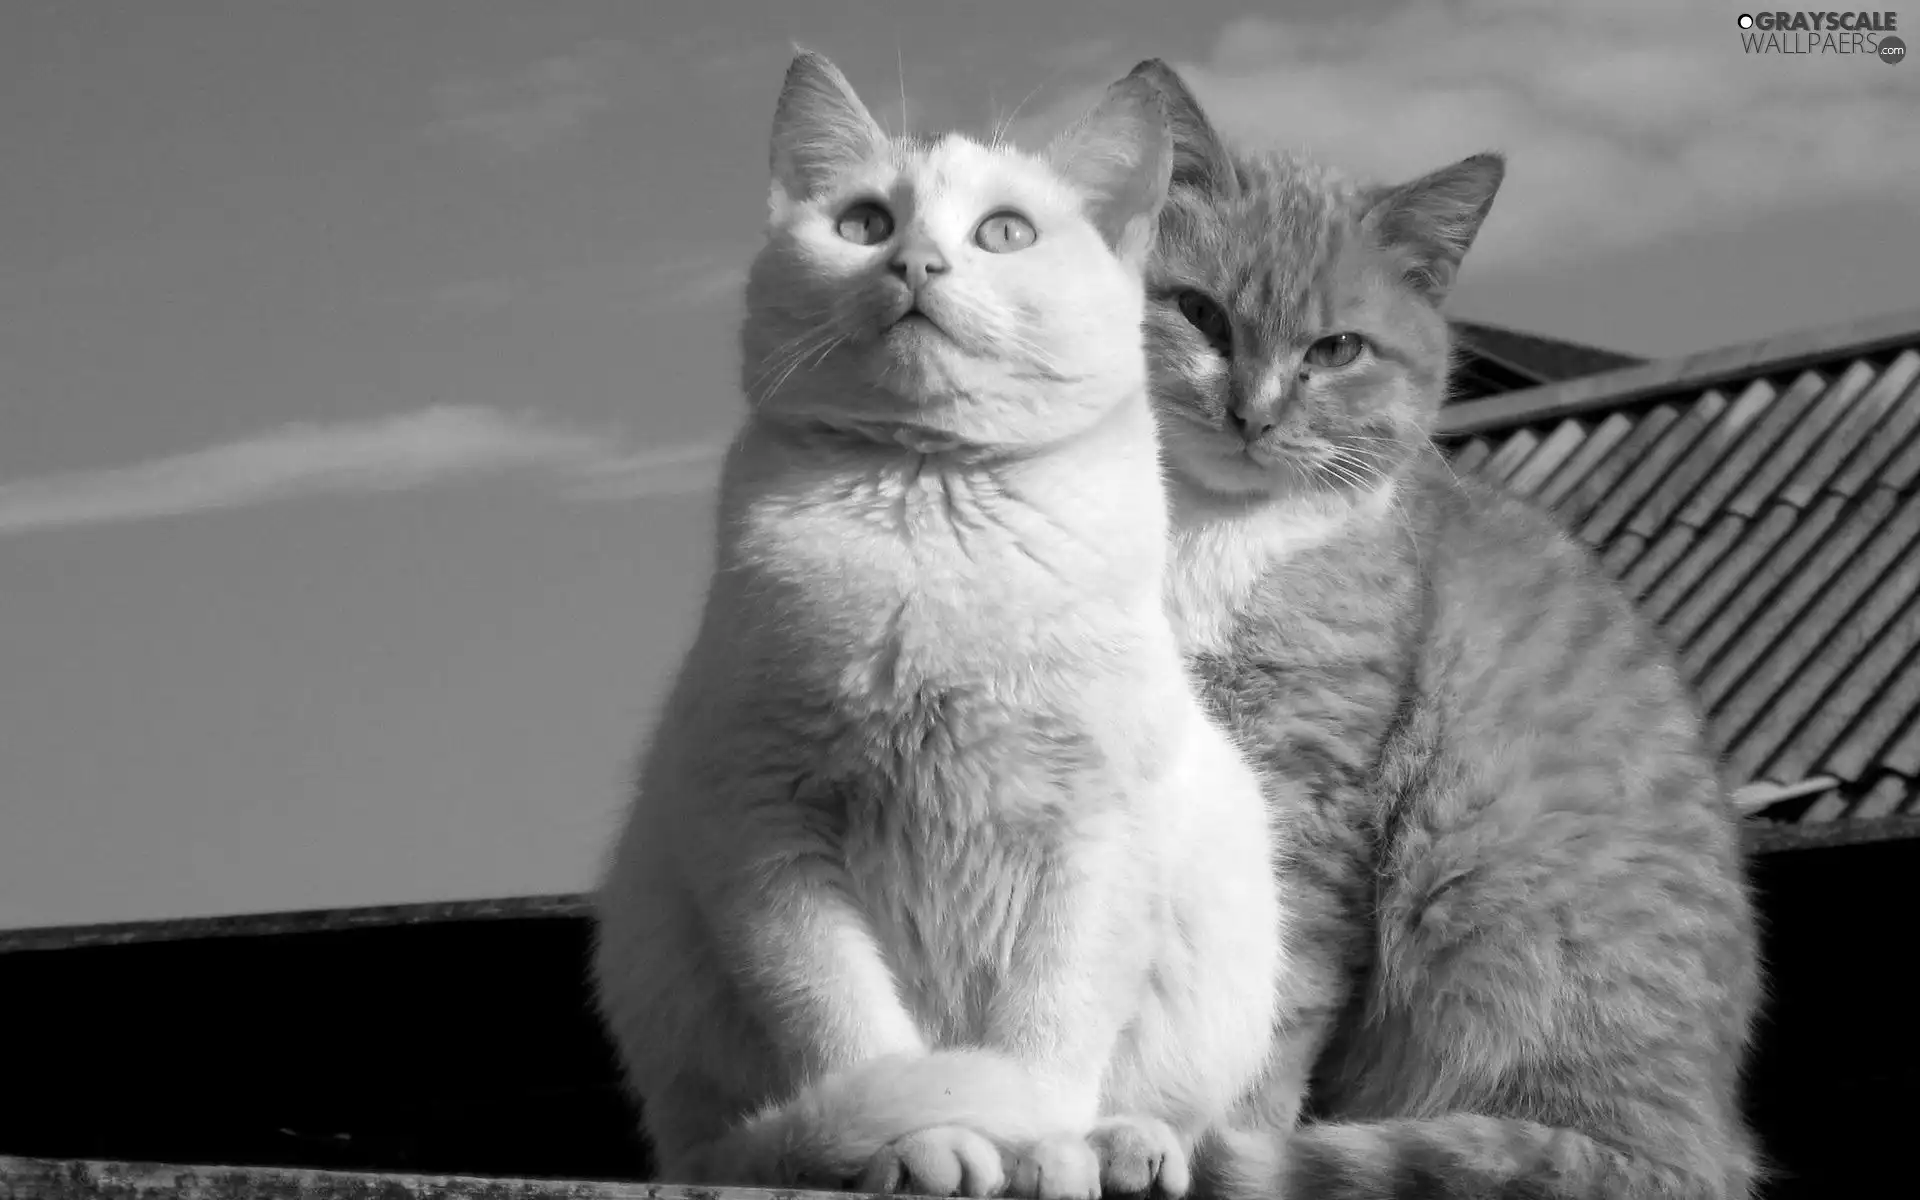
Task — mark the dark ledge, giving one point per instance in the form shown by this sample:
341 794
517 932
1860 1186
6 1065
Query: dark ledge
330 920
78 1179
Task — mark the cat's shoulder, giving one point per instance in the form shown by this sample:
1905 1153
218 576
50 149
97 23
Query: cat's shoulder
1470 519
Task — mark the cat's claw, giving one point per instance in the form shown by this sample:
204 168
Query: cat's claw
1061 1167
946 1160
1140 1157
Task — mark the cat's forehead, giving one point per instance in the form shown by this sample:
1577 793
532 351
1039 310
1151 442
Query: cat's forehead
1272 253
955 167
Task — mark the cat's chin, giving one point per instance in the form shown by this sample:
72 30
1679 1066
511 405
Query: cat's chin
1221 476
917 342
1239 481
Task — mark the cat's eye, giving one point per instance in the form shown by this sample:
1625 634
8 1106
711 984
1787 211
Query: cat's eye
865 224
1335 350
1004 232
1204 313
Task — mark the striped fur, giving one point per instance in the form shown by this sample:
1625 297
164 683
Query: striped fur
1525 956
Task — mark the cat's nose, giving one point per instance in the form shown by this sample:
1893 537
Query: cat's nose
915 260
1251 422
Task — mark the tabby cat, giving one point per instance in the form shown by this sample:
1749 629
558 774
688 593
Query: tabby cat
1526 933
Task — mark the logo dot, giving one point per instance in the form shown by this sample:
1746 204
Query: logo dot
1892 50
1746 20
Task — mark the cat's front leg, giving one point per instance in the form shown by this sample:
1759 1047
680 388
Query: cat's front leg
1031 1086
805 956
1201 1037
1062 1011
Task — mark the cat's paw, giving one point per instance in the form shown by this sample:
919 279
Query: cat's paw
1059 1167
946 1160
1140 1157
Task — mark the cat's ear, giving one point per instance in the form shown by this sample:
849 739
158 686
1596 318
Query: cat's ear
1200 158
1120 157
1433 220
820 128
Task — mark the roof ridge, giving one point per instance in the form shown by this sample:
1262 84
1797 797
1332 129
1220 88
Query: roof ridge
1532 335
1743 360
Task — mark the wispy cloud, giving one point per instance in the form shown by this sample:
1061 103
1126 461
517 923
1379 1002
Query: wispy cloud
386 454
1624 122
709 278
705 281
538 105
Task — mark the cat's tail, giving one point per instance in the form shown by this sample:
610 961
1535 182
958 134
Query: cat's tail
826 1135
1462 1155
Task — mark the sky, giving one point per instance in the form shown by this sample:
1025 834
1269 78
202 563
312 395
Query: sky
363 364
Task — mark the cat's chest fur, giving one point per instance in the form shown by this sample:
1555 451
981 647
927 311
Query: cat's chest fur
1227 565
929 570
992 672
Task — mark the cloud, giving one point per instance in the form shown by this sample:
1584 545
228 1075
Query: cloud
708 280
538 105
1624 122
702 278
386 454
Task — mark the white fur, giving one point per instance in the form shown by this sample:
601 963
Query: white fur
934 831
1222 547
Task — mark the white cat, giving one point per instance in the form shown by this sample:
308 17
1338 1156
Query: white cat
938 877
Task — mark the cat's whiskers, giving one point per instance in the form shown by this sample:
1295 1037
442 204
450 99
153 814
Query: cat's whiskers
810 359
1333 468
1006 124
1381 479
811 347
776 358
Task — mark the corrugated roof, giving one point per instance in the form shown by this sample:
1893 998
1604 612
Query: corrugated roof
1762 503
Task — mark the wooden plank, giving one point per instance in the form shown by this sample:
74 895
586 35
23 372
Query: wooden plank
1698 553
1830 807
1780 414
1644 480
1659 558
1878 636
1903 470
1872 739
48 1179
1884 800
1904 755
1900 399
1599 443
1620 555
1761 616
1802 441
1721 575
1846 739
1566 438
1722 433
1600 483
1853 431
1467 459
1800 662
1519 444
